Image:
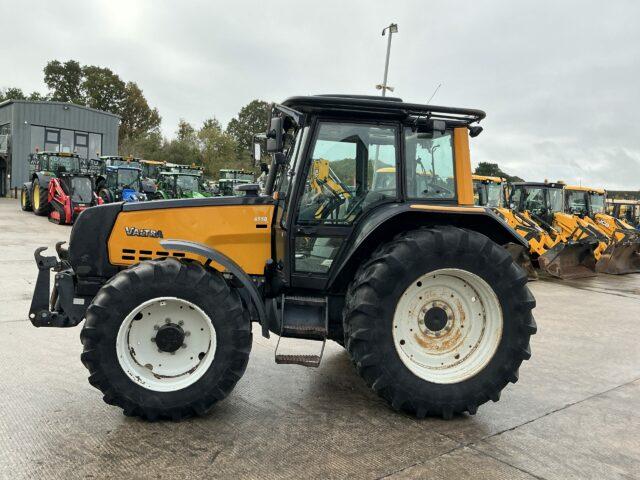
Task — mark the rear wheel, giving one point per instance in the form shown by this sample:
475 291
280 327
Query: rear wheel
40 199
165 339
105 195
25 199
438 321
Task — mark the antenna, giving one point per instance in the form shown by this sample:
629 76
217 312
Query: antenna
434 93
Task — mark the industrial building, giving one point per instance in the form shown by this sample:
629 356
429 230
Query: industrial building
30 126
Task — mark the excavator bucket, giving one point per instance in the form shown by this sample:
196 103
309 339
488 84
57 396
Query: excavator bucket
572 259
620 258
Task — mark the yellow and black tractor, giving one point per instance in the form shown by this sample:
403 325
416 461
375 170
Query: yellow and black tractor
412 279
569 247
622 253
627 210
549 249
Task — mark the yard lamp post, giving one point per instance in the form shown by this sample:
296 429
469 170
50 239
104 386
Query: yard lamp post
393 28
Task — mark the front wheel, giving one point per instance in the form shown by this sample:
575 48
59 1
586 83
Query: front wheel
165 339
438 321
105 195
40 199
25 199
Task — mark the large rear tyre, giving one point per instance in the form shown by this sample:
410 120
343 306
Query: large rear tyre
165 339
105 195
438 321
40 199
25 199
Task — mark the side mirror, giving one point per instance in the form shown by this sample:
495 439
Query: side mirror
275 142
257 154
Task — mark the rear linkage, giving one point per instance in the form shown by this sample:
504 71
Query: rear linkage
62 308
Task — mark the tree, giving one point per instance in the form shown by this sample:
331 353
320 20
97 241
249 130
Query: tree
150 146
12 93
64 81
102 89
138 119
251 119
218 148
493 170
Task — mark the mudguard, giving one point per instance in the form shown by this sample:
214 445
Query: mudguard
231 267
383 222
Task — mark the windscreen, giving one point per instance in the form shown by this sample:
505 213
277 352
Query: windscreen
576 202
81 190
63 164
597 201
187 183
128 178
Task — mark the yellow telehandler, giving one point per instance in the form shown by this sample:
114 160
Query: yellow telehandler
409 275
622 254
549 249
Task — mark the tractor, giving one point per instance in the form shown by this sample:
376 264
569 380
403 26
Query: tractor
181 181
230 179
544 204
120 180
413 282
549 250
59 188
150 173
622 254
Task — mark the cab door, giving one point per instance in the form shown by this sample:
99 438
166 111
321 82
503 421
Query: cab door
348 169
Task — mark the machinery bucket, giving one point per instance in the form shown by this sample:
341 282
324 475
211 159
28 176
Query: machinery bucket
620 258
569 260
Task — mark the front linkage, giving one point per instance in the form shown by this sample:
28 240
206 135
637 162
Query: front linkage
63 308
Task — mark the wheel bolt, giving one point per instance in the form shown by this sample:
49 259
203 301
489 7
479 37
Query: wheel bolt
184 345
180 323
156 327
153 339
186 334
167 320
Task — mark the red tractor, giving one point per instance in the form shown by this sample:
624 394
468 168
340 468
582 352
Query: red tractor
59 187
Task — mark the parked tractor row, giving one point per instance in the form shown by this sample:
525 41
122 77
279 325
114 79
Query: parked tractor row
62 185
573 231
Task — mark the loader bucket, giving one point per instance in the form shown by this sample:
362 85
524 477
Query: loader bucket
620 258
522 258
570 260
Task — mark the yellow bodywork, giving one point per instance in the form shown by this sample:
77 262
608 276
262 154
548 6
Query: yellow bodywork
241 232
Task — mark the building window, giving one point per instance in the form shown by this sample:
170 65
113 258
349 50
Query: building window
37 139
52 140
66 141
95 145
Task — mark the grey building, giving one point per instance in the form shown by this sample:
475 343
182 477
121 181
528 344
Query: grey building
27 127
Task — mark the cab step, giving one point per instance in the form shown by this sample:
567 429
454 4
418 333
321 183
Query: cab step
305 360
304 318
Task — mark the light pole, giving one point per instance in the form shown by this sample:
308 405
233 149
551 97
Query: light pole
393 28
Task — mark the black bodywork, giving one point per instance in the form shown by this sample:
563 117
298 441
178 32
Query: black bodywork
87 265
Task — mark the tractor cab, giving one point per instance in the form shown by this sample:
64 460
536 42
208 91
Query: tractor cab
489 191
542 200
230 179
179 185
150 172
121 180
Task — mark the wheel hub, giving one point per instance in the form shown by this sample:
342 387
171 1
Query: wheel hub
435 319
170 337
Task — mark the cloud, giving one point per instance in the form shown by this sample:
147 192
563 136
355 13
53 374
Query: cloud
558 79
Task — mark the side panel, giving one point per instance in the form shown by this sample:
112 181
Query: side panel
241 232
463 166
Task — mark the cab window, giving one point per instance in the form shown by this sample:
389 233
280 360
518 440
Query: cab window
352 168
430 164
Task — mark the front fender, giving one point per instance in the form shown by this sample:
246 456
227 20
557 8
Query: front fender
230 266
387 221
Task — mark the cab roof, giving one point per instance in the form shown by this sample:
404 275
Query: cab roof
539 184
381 106
580 188
487 178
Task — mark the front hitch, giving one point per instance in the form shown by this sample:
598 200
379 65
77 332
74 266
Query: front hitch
61 308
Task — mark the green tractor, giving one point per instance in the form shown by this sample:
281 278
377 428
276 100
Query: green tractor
181 182
231 179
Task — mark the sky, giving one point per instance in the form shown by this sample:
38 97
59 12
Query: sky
559 80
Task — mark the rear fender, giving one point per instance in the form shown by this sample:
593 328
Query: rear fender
386 222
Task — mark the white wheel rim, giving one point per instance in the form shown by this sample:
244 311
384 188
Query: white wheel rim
468 340
142 360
